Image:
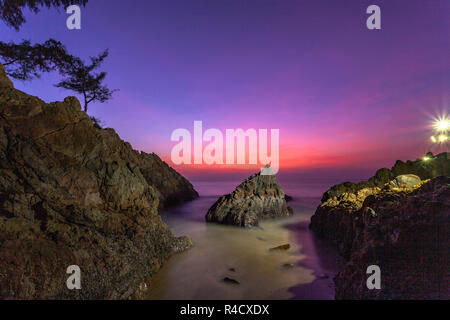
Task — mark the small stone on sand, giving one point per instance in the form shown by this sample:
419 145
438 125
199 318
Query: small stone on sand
230 281
283 247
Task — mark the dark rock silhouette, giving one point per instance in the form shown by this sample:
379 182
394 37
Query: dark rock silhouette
258 197
73 194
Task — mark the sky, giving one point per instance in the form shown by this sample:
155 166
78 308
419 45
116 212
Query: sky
347 100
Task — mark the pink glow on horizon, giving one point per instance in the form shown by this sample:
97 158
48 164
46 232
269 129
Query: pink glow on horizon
341 95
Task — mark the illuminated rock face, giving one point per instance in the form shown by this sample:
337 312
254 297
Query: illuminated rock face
405 181
406 234
435 166
73 194
401 226
258 197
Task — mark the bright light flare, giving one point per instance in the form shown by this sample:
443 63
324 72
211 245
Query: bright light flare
443 138
433 139
442 125
425 158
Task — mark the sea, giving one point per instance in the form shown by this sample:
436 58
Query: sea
305 271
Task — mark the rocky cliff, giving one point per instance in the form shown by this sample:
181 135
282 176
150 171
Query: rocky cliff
172 187
258 197
406 234
74 194
434 166
402 226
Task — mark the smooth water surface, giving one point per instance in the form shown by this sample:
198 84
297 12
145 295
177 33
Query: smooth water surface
305 271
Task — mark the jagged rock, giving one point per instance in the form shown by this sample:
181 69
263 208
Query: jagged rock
405 217
333 218
408 239
405 181
258 197
73 194
436 166
172 187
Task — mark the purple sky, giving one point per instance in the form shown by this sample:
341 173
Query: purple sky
343 97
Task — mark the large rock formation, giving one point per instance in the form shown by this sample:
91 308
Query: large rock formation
258 197
401 226
333 219
73 194
172 187
406 234
434 166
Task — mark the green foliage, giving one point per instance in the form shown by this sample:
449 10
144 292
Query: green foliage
11 11
81 78
25 61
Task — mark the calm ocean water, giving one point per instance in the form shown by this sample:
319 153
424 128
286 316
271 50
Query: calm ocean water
225 251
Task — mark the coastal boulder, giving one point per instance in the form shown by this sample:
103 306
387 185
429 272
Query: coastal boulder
405 181
258 197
